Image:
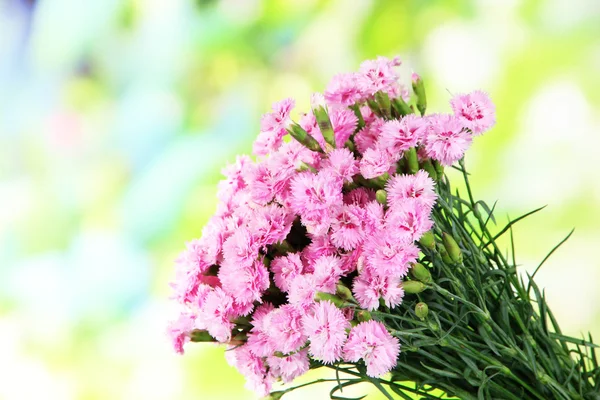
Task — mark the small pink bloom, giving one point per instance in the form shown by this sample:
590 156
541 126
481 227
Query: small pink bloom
381 75
345 89
447 140
347 228
273 128
328 270
372 342
285 269
289 367
246 282
286 329
271 224
409 220
241 248
387 254
319 246
215 315
234 180
341 162
475 111
417 188
325 326
375 162
303 289
253 368
369 287
399 136
344 123
368 136
179 329
259 341
359 196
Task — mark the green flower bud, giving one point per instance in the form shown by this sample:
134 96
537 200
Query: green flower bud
419 89
324 124
428 240
298 133
444 254
439 169
363 316
343 292
413 287
401 107
383 100
381 196
412 160
420 273
422 309
201 336
275 395
452 248
374 107
427 165
322 296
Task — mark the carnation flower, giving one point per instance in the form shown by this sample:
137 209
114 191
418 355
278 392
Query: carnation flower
325 326
179 328
347 228
367 137
259 340
475 111
402 189
447 140
369 287
371 342
344 123
375 162
341 162
285 329
285 269
345 89
409 221
289 367
273 127
252 367
381 75
399 136
215 315
246 282
389 252
327 272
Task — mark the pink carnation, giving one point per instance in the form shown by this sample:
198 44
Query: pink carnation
341 162
345 89
241 248
359 196
381 75
215 315
271 224
253 368
179 329
344 123
375 162
475 111
286 329
273 128
246 282
234 180
285 269
369 287
368 136
302 291
399 136
447 140
372 342
409 220
325 326
386 254
289 367
319 246
328 270
259 342
347 228
190 267
417 188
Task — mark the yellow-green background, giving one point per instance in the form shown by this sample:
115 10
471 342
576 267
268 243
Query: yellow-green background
116 117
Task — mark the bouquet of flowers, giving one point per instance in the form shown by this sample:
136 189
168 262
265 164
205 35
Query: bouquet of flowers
343 245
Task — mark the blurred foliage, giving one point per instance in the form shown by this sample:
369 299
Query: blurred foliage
116 117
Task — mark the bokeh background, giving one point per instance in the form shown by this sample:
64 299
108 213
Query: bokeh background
116 117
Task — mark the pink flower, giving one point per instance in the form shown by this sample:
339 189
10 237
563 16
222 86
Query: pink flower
325 326
345 89
286 329
271 224
246 282
369 287
241 248
328 270
273 127
344 123
252 367
447 140
319 246
387 254
409 220
259 342
475 111
381 75
373 222
368 136
179 329
215 315
375 162
266 181
191 264
372 342
234 180
419 188
341 162
289 367
302 291
285 269
347 228
359 196
399 136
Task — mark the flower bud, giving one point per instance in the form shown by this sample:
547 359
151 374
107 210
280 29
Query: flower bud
444 254
324 124
420 273
298 133
439 169
198 335
343 292
427 165
428 240
401 107
383 100
322 296
413 287
275 395
412 161
381 196
419 89
363 316
452 248
422 309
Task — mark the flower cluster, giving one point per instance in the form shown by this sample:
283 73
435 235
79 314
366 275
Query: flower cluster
322 228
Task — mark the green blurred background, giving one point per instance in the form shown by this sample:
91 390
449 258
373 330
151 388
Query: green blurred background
116 117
